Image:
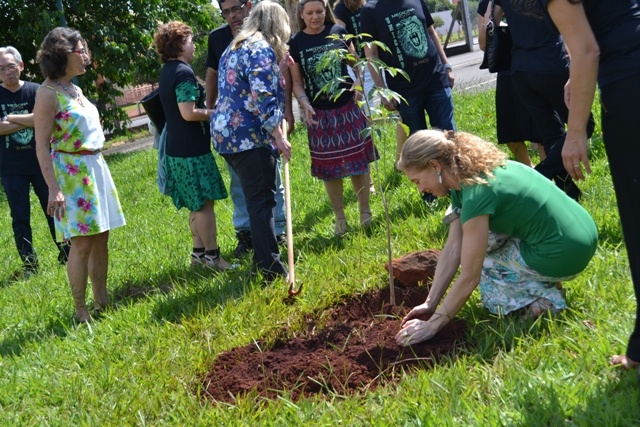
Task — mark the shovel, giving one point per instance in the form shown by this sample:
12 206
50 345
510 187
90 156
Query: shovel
287 202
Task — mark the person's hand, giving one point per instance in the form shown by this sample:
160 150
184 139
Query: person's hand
416 331
417 312
451 77
291 123
286 62
56 204
575 154
284 147
308 115
390 104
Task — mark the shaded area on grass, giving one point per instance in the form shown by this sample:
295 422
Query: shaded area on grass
350 348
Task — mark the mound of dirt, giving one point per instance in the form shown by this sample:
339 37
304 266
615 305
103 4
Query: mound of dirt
349 348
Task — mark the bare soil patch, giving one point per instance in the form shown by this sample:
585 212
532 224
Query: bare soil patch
349 348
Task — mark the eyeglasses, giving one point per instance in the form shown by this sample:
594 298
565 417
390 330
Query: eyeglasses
10 67
235 10
79 51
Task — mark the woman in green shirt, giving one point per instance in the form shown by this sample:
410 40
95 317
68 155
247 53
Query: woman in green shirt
511 231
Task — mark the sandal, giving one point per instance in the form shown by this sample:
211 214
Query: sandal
212 259
341 227
365 219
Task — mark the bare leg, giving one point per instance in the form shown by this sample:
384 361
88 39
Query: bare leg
204 231
98 267
334 191
78 273
520 152
360 183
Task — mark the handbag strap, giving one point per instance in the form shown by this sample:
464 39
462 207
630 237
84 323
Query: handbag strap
491 24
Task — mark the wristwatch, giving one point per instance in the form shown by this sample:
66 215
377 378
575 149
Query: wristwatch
448 66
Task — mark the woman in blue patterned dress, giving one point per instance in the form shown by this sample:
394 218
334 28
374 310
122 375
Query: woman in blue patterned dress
247 124
82 196
193 178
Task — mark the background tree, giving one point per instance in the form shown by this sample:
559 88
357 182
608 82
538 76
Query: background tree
119 35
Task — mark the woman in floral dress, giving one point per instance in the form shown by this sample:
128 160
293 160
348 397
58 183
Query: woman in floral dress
248 118
82 196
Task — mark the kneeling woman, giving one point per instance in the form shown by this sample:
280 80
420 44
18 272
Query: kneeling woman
510 230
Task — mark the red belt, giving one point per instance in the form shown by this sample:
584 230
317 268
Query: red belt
81 152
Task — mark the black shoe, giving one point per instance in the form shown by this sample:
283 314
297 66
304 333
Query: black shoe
63 255
29 267
281 239
245 244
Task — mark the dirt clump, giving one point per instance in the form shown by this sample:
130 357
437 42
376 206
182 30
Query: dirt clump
349 348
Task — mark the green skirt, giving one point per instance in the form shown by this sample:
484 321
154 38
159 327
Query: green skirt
192 181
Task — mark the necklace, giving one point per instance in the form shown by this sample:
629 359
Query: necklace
72 93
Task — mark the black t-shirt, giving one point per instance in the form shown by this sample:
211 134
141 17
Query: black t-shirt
402 25
178 83
537 45
18 149
219 40
616 26
351 22
306 50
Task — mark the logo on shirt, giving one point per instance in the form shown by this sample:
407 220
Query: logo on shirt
411 37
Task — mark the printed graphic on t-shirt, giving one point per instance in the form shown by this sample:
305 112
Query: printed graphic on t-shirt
409 35
20 138
324 75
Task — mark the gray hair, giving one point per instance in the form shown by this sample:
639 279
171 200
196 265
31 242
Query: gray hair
11 51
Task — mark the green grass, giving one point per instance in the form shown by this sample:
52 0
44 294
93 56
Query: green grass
143 362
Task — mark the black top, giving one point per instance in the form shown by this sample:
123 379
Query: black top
307 50
178 83
18 149
537 45
219 40
351 22
616 26
402 25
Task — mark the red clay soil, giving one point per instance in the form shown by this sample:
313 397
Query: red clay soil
350 348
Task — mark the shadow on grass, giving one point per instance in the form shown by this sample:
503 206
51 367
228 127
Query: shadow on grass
18 338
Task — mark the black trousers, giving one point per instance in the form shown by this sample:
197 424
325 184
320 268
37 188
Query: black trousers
621 135
256 169
543 97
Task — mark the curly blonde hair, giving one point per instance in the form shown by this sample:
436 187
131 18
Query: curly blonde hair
469 158
269 20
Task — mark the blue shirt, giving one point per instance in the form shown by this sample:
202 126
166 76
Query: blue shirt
251 98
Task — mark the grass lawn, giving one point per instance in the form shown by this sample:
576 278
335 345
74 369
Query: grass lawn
143 362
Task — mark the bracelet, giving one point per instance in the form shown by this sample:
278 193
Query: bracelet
301 97
4 119
448 67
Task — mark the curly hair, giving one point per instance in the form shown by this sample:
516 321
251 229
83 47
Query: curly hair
52 55
470 159
169 39
270 20
329 17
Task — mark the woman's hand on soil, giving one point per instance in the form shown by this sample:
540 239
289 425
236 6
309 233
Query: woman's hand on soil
415 331
422 310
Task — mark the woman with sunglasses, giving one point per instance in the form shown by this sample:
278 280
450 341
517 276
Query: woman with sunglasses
82 196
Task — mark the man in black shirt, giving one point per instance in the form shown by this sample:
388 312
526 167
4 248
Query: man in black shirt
19 168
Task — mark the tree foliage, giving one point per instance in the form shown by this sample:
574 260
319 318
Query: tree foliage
119 35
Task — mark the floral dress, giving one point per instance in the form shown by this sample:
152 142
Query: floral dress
91 199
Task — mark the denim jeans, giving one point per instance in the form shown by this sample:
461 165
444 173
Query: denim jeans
16 187
240 214
256 170
438 105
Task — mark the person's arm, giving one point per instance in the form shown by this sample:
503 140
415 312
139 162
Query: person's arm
446 269
443 56
571 21
475 235
298 91
288 102
7 127
44 112
371 52
190 113
211 85
482 32
24 120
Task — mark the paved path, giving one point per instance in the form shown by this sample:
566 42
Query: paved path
465 67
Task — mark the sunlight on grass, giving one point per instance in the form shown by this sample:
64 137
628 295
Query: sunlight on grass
143 362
